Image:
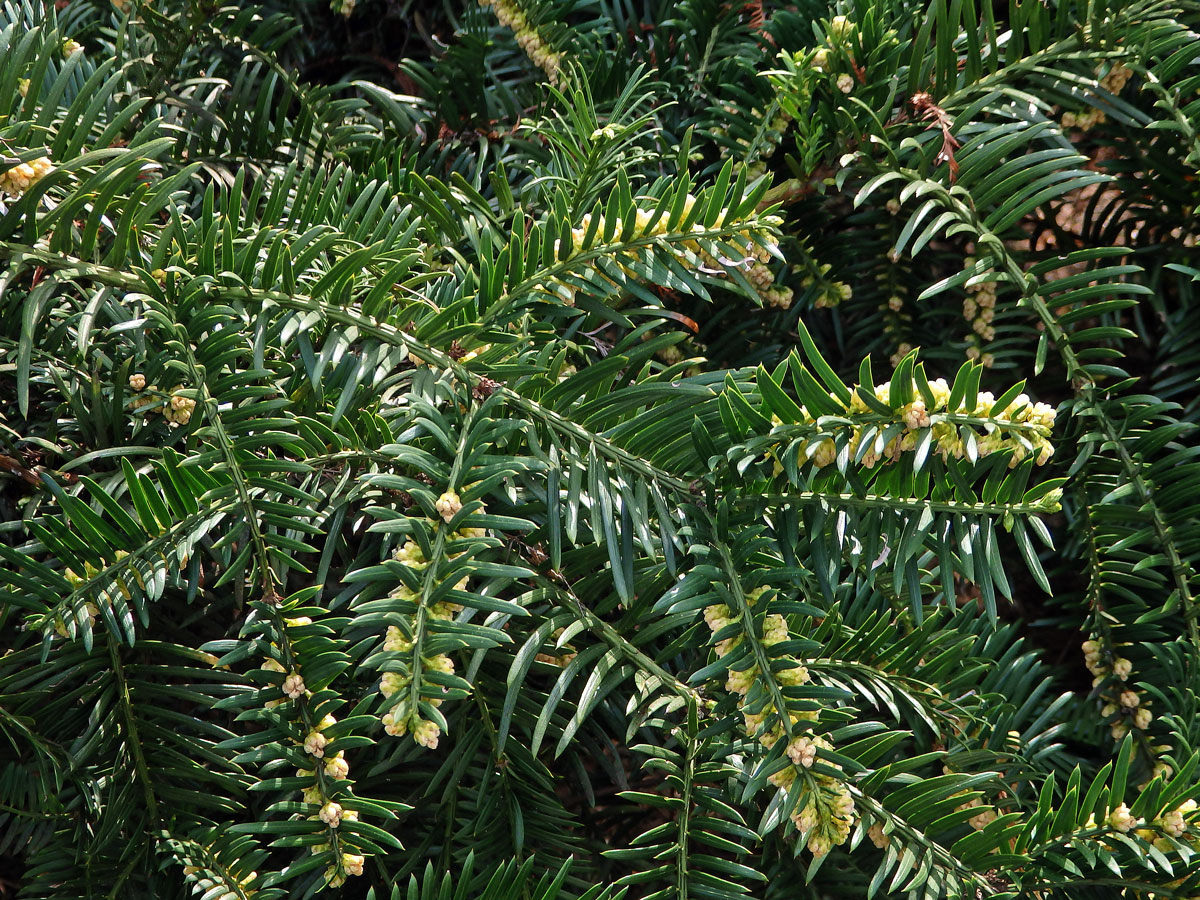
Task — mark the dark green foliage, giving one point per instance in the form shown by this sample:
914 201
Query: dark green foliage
558 449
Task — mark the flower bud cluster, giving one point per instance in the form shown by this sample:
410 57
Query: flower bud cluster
1121 704
840 31
426 734
979 308
395 684
757 243
1101 663
802 751
314 744
1174 822
316 741
346 8
336 767
352 864
1122 820
839 48
448 505
323 796
70 46
831 293
21 177
293 686
401 718
825 815
176 408
513 17
895 311
1128 713
331 814
826 818
1033 422
1170 826
719 618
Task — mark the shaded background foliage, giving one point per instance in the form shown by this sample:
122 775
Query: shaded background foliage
333 233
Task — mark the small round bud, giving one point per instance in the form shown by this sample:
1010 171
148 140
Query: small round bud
1121 820
331 814
293 686
426 734
314 744
337 767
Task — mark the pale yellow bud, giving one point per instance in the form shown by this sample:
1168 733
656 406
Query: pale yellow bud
331 814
